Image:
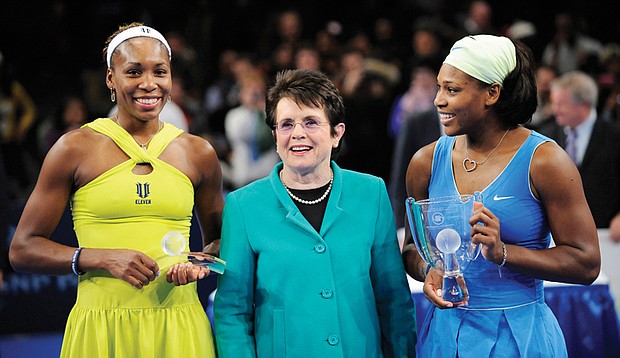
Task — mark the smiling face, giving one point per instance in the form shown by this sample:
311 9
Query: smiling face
302 152
141 77
462 101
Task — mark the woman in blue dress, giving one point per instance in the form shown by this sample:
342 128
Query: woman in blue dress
531 189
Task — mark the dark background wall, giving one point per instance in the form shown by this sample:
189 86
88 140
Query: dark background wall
51 42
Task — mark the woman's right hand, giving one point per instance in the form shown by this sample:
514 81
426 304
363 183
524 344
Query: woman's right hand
433 290
134 267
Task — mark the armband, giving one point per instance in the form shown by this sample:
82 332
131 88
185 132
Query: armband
74 260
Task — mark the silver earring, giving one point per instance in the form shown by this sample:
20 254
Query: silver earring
112 95
169 98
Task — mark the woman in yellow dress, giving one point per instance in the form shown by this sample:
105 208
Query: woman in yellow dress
129 179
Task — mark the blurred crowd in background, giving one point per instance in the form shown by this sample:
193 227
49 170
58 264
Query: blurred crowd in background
382 55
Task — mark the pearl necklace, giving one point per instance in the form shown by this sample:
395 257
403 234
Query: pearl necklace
308 202
470 165
145 145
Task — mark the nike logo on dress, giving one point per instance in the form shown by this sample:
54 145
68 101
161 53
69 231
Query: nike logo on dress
498 198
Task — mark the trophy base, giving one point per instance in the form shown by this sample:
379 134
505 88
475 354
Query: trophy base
452 291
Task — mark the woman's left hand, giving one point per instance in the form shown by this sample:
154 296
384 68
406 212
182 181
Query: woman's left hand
486 231
185 272
433 290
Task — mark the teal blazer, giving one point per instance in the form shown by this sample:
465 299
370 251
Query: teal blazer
289 291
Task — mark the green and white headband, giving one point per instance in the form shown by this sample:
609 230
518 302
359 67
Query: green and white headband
487 58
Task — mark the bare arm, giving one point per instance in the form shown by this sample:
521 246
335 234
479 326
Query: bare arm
576 256
31 248
209 200
417 181
209 203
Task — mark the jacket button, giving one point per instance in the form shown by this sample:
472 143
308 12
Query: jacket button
333 340
327 293
319 248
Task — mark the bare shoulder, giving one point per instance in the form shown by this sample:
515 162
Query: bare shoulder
549 155
197 146
552 168
423 158
194 156
419 171
76 144
77 157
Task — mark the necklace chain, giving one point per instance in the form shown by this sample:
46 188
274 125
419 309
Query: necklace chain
145 145
308 202
470 165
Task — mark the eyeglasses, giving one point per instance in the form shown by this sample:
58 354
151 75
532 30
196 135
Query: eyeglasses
309 125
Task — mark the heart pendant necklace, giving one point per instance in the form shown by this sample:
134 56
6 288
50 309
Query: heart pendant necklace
470 165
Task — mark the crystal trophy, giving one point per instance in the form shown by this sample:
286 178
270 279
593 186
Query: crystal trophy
174 243
441 232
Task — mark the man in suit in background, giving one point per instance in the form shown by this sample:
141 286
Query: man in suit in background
592 142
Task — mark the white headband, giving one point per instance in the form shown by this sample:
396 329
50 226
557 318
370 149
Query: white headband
487 58
138 31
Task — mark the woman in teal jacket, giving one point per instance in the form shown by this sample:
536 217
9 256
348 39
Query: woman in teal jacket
313 264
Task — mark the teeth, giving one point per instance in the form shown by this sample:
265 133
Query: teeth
299 149
446 116
147 100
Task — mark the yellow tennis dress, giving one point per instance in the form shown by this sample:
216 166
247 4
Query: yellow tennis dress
120 209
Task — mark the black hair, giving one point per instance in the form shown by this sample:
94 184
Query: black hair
310 88
518 101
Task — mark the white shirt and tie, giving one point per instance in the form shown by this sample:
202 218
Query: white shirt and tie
577 138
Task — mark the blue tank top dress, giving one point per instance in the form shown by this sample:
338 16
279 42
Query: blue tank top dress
506 315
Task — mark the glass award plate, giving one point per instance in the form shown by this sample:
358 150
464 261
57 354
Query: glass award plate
174 243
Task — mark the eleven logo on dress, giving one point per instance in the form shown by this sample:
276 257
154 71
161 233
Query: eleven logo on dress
143 190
